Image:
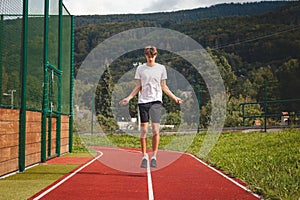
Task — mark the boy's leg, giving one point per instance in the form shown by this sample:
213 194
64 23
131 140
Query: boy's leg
143 137
155 113
155 138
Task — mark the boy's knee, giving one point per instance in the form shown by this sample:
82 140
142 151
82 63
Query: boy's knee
144 133
155 129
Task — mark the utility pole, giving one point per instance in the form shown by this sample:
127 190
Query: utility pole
199 108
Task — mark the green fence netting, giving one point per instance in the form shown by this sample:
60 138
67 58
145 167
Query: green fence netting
11 13
10 52
36 64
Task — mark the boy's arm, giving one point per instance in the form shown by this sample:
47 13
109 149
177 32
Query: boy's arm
137 88
168 92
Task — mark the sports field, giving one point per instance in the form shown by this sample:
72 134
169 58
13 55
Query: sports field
267 163
186 178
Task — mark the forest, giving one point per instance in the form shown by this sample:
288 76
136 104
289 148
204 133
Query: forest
256 47
257 54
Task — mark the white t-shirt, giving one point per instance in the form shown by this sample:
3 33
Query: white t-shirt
151 78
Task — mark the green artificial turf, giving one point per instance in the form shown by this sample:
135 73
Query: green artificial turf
24 185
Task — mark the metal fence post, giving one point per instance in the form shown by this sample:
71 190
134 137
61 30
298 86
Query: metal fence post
1 41
58 122
22 124
72 88
243 113
265 104
199 113
45 89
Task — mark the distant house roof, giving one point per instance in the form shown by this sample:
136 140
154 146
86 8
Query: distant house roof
285 115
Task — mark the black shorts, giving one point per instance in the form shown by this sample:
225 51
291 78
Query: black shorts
151 109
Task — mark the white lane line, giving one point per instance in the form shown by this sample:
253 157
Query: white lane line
149 178
68 177
225 176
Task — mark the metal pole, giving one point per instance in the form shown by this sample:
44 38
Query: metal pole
49 135
71 87
45 89
93 112
22 117
265 105
49 116
12 98
243 113
1 46
60 54
199 108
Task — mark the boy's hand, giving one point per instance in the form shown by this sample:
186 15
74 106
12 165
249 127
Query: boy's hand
179 101
124 102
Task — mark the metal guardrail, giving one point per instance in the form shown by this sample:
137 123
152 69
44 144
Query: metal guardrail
265 115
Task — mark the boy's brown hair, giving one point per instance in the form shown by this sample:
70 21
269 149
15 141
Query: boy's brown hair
150 51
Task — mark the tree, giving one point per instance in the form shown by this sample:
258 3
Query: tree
264 80
234 114
174 118
226 72
288 75
103 102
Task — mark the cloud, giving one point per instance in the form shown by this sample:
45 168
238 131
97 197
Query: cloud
102 7
162 5
173 5
86 7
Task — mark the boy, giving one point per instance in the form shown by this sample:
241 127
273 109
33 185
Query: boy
150 84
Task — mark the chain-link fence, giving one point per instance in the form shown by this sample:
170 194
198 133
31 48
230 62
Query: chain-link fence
36 75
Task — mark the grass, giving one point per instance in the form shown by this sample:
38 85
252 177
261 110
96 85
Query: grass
25 185
268 162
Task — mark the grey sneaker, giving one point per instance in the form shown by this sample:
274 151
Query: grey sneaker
144 163
153 163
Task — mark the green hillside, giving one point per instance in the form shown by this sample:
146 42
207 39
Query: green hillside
167 18
250 51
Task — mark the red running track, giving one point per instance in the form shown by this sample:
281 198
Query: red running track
115 174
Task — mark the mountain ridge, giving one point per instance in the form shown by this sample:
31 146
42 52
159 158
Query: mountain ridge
164 18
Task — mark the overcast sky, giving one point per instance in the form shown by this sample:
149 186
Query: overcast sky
103 7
